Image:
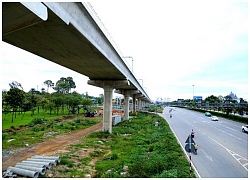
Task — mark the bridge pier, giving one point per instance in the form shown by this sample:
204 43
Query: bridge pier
127 94
134 103
139 98
126 105
108 86
107 109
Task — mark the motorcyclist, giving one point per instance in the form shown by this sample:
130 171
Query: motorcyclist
192 133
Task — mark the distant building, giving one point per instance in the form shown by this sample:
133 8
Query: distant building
233 96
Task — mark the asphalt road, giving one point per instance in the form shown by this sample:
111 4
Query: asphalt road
223 147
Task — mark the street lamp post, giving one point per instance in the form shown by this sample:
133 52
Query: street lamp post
193 92
132 61
141 81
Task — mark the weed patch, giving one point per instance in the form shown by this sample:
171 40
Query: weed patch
148 151
40 129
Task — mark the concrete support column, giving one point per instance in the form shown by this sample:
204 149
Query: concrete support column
139 104
108 86
126 105
107 114
134 103
138 96
143 105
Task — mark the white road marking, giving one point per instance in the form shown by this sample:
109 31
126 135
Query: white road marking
230 128
243 161
231 135
207 156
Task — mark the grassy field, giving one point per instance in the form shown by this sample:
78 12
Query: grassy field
35 130
146 150
23 119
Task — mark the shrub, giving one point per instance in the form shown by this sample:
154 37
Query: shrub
30 124
111 157
66 162
167 174
42 128
4 136
95 154
37 121
99 134
78 121
36 128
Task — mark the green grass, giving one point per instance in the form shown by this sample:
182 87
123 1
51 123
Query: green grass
37 128
148 151
23 119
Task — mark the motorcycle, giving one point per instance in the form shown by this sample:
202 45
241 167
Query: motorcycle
195 151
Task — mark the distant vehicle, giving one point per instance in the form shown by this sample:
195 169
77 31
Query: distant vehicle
245 128
207 114
214 118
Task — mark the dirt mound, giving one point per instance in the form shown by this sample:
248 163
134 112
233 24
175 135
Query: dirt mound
114 112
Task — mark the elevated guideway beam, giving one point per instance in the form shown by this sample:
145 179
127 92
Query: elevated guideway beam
67 34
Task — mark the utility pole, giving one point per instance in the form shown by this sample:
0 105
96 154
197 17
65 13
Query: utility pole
193 92
132 62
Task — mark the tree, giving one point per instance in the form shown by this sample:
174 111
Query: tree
14 99
64 85
43 90
49 84
50 106
86 102
73 100
15 84
212 99
5 106
58 100
32 100
71 83
43 103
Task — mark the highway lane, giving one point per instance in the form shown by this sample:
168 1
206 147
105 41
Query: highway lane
223 147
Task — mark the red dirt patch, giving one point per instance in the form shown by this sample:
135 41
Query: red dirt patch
48 147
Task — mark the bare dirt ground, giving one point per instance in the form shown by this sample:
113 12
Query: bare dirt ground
47 147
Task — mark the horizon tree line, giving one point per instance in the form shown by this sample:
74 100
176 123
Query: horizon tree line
17 101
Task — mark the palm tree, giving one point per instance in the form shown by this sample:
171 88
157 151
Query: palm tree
15 84
71 83
49 84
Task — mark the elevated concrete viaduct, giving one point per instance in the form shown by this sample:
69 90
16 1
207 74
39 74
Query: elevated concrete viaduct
68 33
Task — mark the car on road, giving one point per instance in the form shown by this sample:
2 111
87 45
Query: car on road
245 128
207 114
214 118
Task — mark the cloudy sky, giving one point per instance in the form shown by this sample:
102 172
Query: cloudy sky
174 45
